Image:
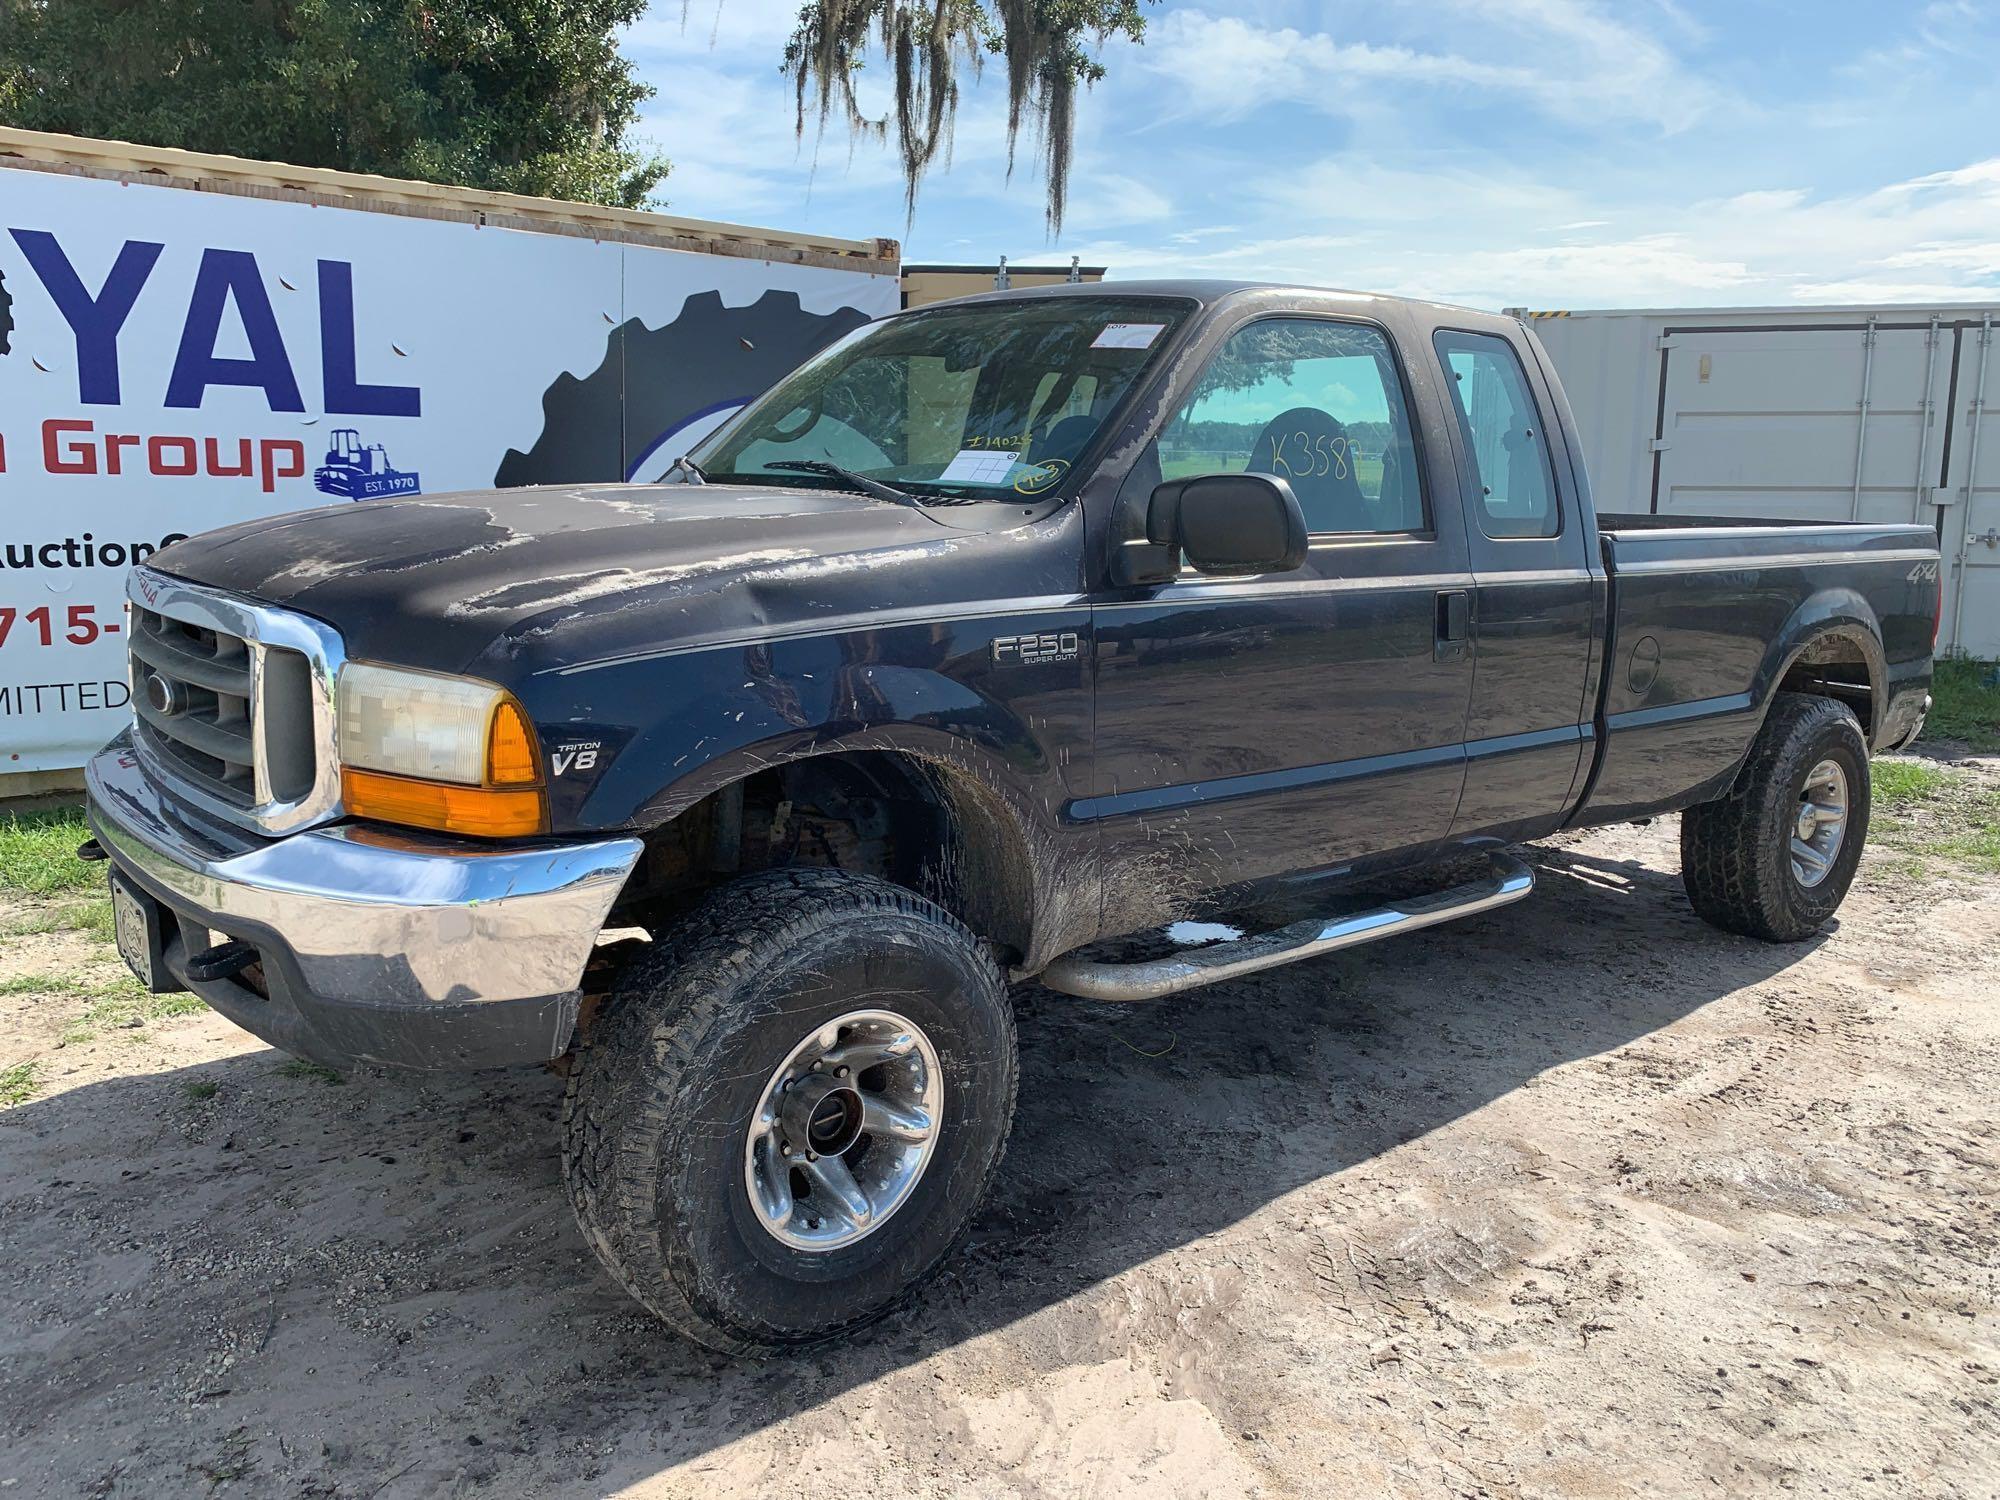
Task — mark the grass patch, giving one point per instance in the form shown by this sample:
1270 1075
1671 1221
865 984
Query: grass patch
17 1084
125 1008
201 1090
118 1004
298 1067
38 852
1965 702
1934 819
92 918
71 984
1899 783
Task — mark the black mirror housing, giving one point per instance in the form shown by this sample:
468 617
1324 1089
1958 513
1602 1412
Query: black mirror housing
1230 524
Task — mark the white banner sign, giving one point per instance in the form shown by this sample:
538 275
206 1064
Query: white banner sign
172 361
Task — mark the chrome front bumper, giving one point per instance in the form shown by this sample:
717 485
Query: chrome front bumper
360 927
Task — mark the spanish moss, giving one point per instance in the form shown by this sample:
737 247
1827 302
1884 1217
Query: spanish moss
1047 47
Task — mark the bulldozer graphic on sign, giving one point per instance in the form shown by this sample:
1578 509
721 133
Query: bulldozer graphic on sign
354 470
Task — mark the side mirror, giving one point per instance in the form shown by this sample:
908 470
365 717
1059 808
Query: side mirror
1230 524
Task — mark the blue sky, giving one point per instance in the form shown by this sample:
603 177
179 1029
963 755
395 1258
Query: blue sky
1546 153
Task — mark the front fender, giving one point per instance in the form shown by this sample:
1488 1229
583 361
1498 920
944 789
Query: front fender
1010 736
702 720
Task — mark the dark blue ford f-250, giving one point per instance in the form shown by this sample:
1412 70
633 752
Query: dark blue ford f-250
997 629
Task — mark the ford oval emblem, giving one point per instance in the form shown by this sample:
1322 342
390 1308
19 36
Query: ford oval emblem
164 695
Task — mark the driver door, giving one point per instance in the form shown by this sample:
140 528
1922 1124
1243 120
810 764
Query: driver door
1255 728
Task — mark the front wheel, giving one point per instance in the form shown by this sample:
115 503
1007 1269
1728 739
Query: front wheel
1774 859
790 1108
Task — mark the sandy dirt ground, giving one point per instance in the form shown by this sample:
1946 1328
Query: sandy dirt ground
1577 1199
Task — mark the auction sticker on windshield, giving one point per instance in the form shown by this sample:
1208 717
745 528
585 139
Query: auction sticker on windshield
1127 336
978 466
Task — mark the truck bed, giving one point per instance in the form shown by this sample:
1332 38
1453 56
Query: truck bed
1709 616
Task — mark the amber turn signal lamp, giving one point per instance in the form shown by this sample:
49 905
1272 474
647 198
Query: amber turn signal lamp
484 812
512 758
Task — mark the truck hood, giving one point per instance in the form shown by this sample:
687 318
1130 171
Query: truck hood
517 579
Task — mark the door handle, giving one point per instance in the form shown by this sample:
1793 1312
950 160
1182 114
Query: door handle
1454 623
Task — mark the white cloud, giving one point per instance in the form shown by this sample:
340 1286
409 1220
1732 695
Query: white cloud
1971 255
1940 33
1577 64
1117 200
1865 291
1355 189
1483 244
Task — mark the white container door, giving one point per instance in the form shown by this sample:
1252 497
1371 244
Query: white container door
1835 422
1971 499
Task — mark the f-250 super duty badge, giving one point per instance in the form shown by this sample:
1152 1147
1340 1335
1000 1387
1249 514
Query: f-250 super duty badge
1035 650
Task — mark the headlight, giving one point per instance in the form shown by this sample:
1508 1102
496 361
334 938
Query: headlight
439 752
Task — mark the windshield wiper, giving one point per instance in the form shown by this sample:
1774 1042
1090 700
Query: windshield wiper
872 487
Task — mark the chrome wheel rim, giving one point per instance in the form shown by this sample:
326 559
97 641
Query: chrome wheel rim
1820 824
843 1130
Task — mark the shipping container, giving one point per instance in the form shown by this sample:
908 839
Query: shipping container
1821 413
189 340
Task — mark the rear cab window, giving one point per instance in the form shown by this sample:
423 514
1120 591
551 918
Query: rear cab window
1506 441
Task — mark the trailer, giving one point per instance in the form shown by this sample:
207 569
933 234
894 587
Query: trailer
1810 413
188 341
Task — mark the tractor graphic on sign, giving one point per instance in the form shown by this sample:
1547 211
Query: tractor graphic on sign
354 470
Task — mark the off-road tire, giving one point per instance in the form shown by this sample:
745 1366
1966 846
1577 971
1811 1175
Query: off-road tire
665 1082
1735 853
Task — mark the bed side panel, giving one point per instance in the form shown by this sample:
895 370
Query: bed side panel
1704 626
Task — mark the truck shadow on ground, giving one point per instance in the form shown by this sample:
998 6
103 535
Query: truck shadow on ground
377 1287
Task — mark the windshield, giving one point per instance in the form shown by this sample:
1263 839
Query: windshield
985 402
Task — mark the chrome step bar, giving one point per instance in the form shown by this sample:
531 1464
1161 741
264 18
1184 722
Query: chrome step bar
1507 881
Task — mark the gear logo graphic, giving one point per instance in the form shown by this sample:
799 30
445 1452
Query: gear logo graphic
658 390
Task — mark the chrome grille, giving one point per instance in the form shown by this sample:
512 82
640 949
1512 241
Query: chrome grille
232 703
193 693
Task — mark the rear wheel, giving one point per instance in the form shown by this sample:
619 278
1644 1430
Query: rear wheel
790 1108
1774 859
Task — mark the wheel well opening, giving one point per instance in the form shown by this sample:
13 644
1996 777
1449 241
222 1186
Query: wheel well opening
1835 666
909 821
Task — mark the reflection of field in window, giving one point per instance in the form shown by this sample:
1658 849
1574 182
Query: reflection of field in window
1316 403
1215 431
940 401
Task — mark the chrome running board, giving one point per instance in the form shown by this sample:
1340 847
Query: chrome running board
1508 881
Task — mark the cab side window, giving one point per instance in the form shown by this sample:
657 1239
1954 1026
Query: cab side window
1316 403
1503 432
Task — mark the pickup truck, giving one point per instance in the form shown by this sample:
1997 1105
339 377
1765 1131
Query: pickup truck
995 632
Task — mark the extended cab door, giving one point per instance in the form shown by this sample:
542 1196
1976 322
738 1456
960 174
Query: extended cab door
1537 602
1251 728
